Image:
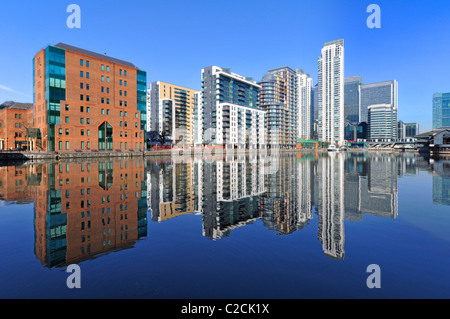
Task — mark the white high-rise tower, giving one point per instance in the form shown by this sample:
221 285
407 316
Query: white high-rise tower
331 93
304 87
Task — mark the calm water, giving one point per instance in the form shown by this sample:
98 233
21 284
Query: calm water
297 226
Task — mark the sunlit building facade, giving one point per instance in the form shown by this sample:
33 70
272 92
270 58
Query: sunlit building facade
88 101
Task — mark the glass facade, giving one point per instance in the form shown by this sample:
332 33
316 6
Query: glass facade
382 122
441 110
377 93
352 99
55 89
142 97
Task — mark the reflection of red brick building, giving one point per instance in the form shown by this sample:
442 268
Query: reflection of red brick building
86 209
14 185
15 119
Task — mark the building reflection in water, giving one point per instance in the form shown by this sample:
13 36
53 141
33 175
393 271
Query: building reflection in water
83 210
86 209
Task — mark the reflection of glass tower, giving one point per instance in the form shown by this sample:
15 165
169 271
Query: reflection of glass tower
441 182
331 205
378 190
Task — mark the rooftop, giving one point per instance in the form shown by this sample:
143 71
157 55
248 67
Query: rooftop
16 105
95 55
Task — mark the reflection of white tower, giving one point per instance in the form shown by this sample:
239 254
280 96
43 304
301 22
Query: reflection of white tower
304 206
331 205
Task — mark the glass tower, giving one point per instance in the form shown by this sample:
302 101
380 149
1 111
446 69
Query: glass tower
441 110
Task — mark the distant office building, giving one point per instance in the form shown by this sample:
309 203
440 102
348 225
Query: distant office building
400 129
305 115
352 98
88 101
280 100
172 111
441 110
382 122
232 117
378 93
331 93
362 131
15 121
411 129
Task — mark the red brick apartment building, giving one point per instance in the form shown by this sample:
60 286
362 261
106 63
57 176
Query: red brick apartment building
85 101
15 121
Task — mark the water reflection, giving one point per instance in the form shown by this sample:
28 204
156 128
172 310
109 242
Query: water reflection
81 210
87 209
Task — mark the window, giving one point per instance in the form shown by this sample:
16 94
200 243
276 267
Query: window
88 121
82 132
81 109
67 107
67 119
81 85
103 67
81 61
125 83
120 92
60 145
82 145
120 71
126 114
136 115
125 103
88 109
103 89
67 145
103 111
120 82
87 86
121 113
105 136
103 78
87 75
60 131
125 72
88 145
87 63
107 90
107 79
107 68
103 100
87 97
82 120
120 103
81 97
107 111
88 132
125 93
81 73
107 101
67 131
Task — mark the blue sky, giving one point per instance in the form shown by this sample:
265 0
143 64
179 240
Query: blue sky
173 40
